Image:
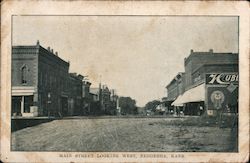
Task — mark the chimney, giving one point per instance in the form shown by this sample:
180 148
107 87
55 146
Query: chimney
37 43
51 50
56 53
211 51
191 51
48 49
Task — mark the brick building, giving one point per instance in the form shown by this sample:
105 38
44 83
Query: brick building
39 82
75 99
96 101
197 65
174 89
86 97
176 86
103 101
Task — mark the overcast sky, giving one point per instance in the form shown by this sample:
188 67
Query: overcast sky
136 55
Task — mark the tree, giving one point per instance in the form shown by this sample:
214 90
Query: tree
127 105
152 105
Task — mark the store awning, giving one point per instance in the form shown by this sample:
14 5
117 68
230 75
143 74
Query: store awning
195 94
22 91
178 101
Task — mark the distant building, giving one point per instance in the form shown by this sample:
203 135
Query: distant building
113 101
95 92
95 103
104 101
174 89
39 82
162 109
75 94
86 97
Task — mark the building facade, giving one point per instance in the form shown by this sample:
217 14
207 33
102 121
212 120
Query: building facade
174 89
87 97
176 86
95 101
39 82
113 103
75 100
103 101
197 65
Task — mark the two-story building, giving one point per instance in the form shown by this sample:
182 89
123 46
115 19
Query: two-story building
197 65
86 97
39 82
75 94
174 91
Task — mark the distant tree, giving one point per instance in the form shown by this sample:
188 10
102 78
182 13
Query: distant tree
152 105
127 105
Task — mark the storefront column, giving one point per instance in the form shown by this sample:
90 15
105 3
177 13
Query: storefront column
22 105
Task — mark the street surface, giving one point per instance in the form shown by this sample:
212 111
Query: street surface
122 134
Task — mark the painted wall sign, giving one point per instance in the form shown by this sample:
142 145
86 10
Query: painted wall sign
222 78
219 96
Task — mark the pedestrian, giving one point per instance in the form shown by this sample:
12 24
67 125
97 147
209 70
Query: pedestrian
178 111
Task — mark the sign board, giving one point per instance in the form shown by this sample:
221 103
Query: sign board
222 78
219 97
221 90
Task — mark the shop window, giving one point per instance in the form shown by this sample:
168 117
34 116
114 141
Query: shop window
28 101
16 105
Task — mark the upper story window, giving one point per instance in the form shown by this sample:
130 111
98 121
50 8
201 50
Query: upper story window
24 74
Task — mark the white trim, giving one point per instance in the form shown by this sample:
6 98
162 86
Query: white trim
22 91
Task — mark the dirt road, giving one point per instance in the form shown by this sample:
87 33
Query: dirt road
121 134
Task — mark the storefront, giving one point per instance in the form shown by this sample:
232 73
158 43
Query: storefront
23 100
168 104
191 102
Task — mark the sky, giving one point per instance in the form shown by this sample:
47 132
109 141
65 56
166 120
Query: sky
135 55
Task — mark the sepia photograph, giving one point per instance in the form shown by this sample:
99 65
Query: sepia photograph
125 83
108 84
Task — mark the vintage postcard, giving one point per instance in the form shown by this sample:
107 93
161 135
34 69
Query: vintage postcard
124 81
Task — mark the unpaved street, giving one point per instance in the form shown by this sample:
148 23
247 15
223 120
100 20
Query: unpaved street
121 134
